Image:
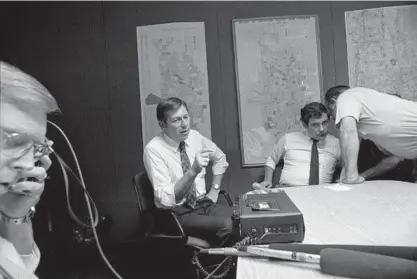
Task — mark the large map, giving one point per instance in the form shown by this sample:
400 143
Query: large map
173 63
382 49
278 72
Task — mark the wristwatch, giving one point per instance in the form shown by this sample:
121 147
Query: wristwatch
20 220
216 187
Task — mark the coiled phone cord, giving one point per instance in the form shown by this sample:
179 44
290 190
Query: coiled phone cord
249 239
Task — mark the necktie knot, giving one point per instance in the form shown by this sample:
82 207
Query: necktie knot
182 146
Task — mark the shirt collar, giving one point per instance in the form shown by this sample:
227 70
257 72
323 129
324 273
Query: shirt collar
311 139
172 143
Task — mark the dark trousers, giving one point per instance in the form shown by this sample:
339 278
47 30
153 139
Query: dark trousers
209 221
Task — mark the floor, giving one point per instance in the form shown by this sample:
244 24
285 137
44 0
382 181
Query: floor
132 260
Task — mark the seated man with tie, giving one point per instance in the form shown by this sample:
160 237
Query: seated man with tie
176 162
310 156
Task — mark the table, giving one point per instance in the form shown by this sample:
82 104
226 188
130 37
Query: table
372 213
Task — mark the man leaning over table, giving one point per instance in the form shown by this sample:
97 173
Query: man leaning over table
388 121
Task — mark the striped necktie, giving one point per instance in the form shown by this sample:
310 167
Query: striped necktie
191 195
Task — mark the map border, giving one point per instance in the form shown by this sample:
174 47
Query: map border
319 62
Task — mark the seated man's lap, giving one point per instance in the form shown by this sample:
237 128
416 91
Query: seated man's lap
209 221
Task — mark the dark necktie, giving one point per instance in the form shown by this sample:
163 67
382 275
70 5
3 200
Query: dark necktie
314 164
191 196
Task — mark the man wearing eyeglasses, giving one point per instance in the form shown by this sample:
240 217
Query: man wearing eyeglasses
24 105
388 121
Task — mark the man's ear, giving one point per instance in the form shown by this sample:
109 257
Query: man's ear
304 124
162 124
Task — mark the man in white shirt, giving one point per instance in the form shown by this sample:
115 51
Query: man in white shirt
310 156
373 164
176 162
24 104
388 121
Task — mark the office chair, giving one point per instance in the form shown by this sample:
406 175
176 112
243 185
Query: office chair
163 223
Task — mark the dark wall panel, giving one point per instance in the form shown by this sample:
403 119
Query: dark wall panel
241 178
62 45
121 20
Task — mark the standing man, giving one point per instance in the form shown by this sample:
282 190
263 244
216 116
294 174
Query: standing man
176 162
24 105
390 122
310 156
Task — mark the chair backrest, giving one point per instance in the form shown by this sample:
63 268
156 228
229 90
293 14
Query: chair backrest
145 201
144 192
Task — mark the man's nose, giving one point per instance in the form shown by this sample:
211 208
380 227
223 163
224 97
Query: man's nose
321 128
25 162
183 123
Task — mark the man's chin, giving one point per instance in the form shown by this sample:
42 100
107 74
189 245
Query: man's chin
321 137
184 136
4 188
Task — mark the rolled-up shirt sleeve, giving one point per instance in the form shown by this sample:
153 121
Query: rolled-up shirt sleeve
277 153
15 264
31 261
158 173
347 105
218 157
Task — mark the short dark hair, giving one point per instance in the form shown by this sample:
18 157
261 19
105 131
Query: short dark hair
168 104
334 92
314 109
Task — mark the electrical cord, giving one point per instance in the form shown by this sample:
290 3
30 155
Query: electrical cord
94 218
250 239
93 212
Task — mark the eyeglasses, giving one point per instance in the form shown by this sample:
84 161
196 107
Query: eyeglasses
16 145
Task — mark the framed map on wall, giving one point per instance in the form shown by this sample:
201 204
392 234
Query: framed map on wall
172 63
382 49
278 71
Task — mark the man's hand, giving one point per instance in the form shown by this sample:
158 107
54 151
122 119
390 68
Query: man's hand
263 185
23 195
213 195
353 180
202 159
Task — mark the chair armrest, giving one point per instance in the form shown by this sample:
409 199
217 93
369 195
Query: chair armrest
167 225
227 196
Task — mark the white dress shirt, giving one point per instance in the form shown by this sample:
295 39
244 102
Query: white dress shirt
163 164
387 120
8 252
295 150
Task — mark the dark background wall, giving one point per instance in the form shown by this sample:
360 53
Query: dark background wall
86 54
